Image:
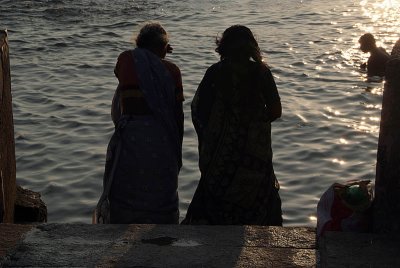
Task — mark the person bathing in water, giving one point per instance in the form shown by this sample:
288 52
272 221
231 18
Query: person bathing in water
375 65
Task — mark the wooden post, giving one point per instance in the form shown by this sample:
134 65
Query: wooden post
7 143
387 182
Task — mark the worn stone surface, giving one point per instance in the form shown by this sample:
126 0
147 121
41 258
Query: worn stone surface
340 249
10 235
75 245
85 245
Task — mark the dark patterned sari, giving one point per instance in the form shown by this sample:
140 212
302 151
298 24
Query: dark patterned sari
230 115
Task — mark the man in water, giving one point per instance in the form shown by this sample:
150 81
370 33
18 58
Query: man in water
378 56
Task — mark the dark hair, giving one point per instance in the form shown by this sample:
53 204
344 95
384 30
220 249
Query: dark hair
152 36
238 42
367 39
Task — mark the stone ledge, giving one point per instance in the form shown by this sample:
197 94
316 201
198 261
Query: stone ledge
85 245
339 249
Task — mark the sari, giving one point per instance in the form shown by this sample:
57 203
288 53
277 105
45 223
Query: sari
230 114
144 153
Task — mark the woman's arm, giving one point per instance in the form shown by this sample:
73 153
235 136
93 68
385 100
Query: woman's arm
274 111
271 95
203 101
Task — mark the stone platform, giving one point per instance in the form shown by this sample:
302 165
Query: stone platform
85 245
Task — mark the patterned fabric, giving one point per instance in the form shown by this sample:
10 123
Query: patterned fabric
144 189
144 153
157 86
127 74
237 184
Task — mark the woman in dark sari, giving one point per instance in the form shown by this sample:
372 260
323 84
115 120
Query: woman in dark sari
232 112
144 154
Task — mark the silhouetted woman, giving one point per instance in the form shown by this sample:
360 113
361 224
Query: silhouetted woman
144 154
232 112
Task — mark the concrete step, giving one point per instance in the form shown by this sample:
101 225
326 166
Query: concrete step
85 245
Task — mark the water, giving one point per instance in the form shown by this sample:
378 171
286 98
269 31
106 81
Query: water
62 58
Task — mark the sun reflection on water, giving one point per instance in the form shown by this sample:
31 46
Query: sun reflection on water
313 218
365 127
338 161
384 16
332 111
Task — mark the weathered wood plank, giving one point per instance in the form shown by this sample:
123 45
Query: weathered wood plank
7 143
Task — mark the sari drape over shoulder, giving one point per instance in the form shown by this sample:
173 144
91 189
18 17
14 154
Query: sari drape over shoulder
230 115
144 153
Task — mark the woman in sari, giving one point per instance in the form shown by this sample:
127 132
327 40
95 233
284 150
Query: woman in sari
232 112
144 154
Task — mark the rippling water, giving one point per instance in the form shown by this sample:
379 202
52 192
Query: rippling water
62 58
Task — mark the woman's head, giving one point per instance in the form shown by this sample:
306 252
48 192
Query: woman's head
238 42
153 37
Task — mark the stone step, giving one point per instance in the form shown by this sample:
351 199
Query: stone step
86 245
